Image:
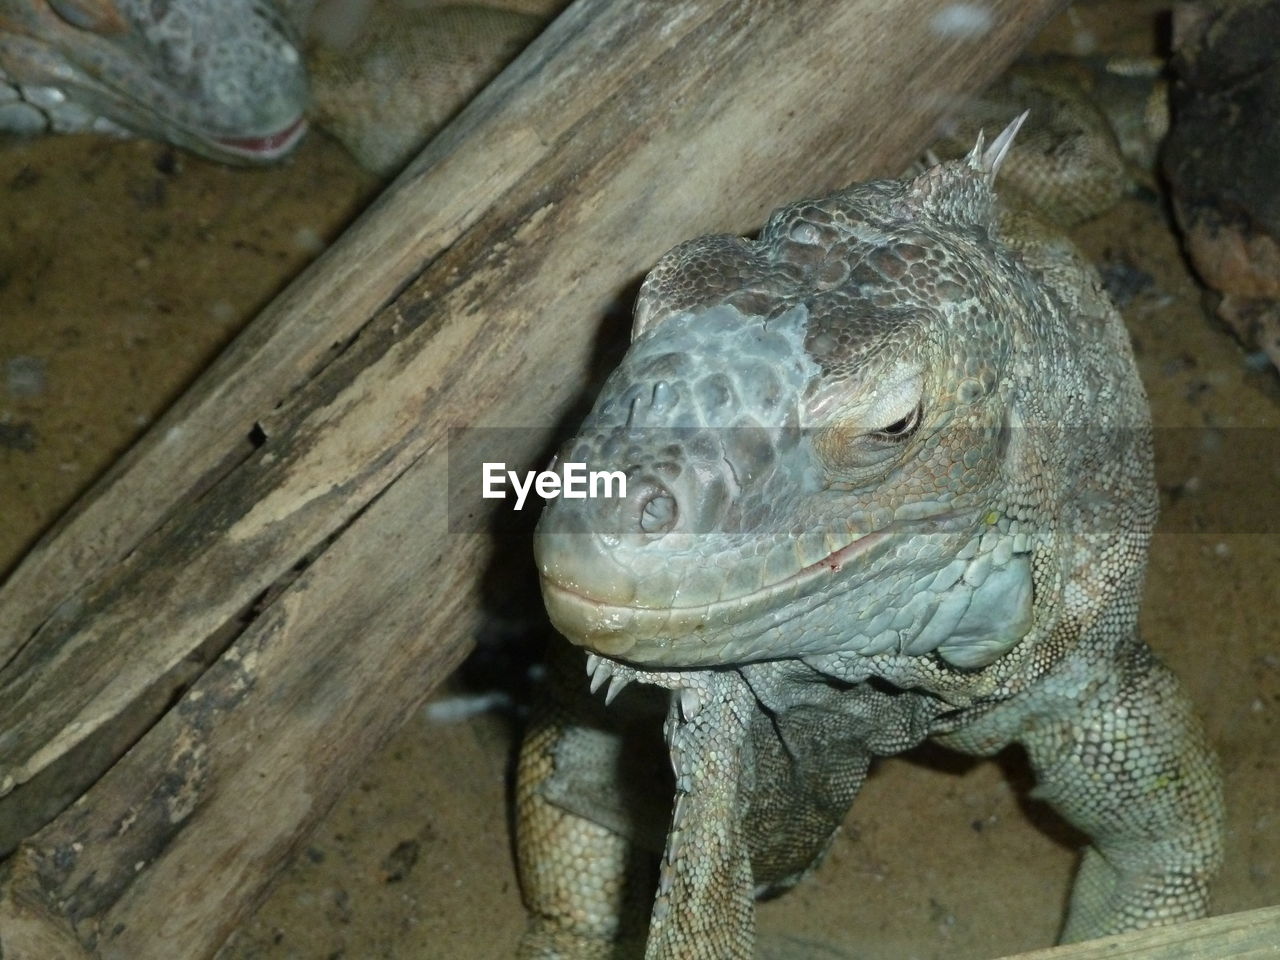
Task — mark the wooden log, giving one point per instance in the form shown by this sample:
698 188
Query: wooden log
287 520
1250 935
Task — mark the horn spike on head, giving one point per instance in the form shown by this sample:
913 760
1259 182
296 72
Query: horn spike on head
994 155
974 159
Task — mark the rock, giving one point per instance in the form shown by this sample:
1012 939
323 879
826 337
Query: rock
1221 159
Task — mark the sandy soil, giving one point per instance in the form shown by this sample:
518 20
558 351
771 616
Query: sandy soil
125 266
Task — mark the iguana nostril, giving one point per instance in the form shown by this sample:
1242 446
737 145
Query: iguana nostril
664 397
658 515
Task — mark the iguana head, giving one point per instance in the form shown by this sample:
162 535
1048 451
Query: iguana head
221 77
816 432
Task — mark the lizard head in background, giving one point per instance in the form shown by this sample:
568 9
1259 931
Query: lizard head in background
223 78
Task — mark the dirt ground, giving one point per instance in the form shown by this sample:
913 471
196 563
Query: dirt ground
125 266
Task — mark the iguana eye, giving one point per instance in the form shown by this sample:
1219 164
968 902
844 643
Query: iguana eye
853 447
901 428
97 16
854 455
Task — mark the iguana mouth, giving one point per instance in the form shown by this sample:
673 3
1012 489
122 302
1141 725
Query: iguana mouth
647 634
269 147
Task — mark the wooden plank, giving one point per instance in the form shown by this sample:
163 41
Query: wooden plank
287 521
1252 934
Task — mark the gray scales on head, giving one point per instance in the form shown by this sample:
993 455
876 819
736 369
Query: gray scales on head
890 479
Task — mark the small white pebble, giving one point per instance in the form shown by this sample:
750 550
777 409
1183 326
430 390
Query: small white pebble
1257 706
1222 549
24 376
962 20
455 709
1083 40
308 241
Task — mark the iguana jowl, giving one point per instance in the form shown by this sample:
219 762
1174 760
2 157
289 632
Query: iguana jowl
889 479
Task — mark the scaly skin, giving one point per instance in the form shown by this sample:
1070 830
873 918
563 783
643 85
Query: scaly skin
889 478
223 78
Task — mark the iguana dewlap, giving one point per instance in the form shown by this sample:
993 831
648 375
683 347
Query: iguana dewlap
889 478
224 78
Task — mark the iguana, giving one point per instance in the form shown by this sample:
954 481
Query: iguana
224 78
889 478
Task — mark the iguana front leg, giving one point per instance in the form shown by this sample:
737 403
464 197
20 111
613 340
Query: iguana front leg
590 806
1133 771
704 907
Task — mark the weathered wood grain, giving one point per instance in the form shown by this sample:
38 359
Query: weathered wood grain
1249 935
287 520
